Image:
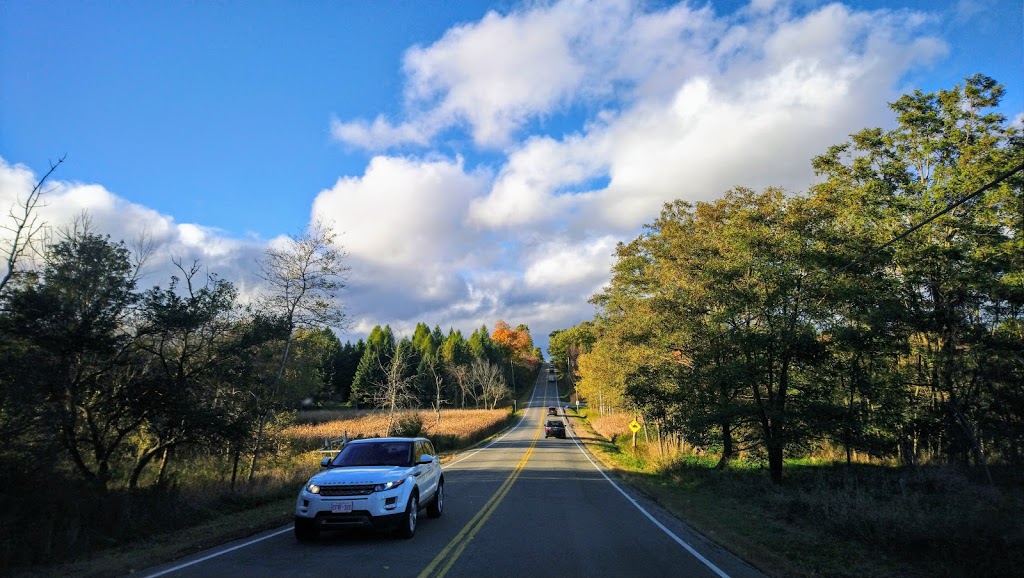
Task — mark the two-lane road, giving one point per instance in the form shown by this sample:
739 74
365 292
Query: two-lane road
521 506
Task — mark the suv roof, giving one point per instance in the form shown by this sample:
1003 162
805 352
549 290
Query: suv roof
388 439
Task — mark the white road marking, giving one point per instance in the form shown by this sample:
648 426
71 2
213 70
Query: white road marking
670 534
215 554
498 439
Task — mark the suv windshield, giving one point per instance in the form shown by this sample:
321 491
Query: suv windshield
375 454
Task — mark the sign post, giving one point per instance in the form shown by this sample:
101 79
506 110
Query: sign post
634 427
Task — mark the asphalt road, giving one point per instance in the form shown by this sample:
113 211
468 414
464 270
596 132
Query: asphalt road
521 506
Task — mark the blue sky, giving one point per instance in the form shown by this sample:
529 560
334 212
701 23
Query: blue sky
480 159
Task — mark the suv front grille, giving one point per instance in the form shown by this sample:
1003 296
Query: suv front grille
354 490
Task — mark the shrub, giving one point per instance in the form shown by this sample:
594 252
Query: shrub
409 424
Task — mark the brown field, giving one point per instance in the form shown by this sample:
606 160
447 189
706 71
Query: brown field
612 425
458 427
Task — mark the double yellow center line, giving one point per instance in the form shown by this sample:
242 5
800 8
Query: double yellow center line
446 559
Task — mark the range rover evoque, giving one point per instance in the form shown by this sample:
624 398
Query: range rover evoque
372 483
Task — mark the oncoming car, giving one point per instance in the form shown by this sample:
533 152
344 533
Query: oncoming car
372 483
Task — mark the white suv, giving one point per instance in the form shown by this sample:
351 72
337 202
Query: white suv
378 483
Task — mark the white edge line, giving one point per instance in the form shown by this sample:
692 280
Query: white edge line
215 554
678 540
282 531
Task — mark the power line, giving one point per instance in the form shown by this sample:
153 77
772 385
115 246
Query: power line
1002 177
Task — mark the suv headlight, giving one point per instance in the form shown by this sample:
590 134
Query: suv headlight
388 486
312 488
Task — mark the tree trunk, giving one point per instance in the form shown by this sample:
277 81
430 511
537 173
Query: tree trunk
140 466
164 460
727 445
236 458
775 461
259 445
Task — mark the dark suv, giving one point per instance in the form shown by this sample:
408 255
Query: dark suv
552 411
554 428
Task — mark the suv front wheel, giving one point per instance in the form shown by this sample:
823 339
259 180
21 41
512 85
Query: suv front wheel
408 527
306 530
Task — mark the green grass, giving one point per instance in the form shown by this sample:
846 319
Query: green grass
833 520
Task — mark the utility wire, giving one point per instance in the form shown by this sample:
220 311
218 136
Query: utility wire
1002 177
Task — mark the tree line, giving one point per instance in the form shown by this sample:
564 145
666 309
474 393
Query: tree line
110 383
107 382
434 369
772 324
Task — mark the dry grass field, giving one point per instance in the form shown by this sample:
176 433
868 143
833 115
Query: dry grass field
456 428
612 425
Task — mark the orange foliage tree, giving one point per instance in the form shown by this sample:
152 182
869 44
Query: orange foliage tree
517 342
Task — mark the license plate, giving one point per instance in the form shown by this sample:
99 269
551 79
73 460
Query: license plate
341 508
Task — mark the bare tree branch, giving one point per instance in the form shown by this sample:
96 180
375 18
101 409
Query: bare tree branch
26 224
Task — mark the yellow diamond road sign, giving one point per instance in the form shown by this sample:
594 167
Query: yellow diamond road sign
634 426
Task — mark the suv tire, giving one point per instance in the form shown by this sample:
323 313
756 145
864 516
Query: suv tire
306 530
407 529
436 506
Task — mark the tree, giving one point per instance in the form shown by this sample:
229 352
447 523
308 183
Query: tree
513 342
958 278
344 365
488 380
25 226
396 392
434 370
191 333
303 275
424 341
456 355
380 346
731 272
602 378
566 345
481 346
75 321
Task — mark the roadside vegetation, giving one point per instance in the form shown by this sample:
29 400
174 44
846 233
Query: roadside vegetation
829 518
202 512
829 381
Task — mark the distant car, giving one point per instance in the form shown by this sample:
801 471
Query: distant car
551 378
372 483
552 411
554 428
551 369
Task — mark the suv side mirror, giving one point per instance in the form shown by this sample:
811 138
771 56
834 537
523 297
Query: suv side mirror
325 463
426 459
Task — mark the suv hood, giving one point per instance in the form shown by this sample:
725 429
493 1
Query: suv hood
360 475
